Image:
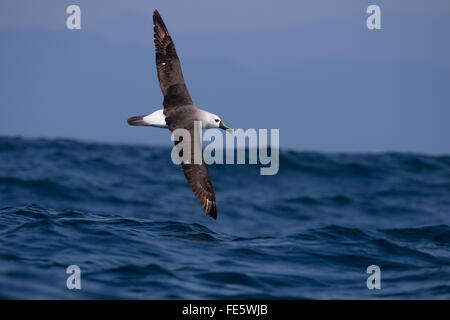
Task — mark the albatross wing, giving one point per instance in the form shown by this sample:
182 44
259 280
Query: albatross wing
168 65
200 183
180 112
199 180
198 177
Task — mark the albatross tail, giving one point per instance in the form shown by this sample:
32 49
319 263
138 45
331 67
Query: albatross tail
155 119
137 121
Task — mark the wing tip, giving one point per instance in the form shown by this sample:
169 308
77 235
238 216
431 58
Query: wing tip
211 209
212 214
158 21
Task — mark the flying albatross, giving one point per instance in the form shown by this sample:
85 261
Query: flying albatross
180 112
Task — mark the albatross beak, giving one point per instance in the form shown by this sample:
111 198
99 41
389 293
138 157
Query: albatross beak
225 127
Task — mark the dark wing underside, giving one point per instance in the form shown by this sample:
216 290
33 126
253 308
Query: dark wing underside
168 65
198 177
199 180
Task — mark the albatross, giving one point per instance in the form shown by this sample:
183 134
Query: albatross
180 113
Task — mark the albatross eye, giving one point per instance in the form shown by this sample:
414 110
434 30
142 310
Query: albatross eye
216 120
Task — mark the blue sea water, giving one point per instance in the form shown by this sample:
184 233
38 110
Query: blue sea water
126 216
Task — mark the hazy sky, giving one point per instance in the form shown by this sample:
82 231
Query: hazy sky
310 68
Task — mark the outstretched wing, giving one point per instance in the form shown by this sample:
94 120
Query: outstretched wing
198 178
168 65
176 94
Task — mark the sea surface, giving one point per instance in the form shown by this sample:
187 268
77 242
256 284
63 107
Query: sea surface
126 216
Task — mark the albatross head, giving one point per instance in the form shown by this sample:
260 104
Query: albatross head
213 121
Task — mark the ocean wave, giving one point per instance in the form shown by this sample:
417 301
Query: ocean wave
127 217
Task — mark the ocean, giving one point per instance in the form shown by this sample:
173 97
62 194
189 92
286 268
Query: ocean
125 215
